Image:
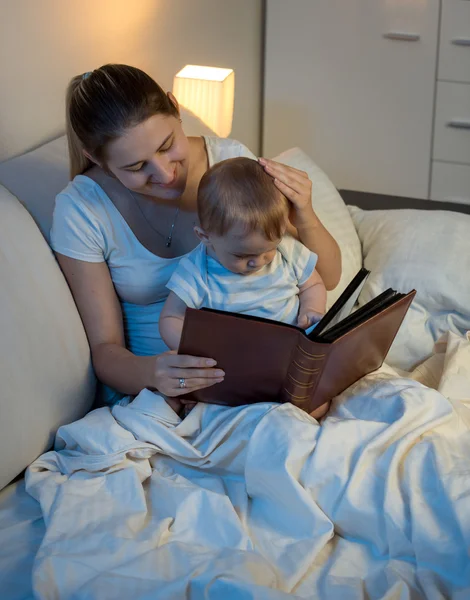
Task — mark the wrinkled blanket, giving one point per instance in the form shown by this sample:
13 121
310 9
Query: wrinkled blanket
263 502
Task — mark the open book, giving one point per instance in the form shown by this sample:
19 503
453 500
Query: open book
268 361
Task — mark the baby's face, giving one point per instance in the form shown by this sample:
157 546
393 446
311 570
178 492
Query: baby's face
241 252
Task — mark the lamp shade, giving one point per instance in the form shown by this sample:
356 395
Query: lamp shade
208 92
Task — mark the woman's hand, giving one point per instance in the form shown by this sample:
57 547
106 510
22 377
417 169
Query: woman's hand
296 187
304 223
196 373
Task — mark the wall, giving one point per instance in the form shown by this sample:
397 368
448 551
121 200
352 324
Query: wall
44 43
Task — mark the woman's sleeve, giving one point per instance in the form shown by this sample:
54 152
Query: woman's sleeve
220 149
245 152
76 230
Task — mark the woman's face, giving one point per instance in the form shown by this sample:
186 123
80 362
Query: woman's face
151 158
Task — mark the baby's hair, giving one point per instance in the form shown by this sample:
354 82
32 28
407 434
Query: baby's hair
238 191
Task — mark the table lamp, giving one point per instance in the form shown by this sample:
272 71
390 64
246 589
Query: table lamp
208 92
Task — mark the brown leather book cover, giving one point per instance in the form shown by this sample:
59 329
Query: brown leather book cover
266 361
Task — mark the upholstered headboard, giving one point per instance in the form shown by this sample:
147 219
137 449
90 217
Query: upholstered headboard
368 201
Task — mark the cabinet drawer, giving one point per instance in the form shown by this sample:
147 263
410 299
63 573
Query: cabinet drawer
452 122
450 182
454 52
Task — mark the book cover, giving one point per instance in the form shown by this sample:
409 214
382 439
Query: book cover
268 361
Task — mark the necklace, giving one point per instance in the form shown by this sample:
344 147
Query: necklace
169 238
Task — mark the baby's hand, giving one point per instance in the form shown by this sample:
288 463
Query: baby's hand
308 318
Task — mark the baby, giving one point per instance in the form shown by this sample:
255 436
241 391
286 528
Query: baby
245 263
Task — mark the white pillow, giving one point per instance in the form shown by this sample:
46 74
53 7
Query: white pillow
36 177
46 376
332 212
424 250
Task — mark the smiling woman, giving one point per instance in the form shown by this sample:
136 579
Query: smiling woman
141 166
128 216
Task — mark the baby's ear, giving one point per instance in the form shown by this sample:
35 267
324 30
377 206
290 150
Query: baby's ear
202 235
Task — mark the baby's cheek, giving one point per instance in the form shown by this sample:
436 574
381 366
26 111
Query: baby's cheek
271 257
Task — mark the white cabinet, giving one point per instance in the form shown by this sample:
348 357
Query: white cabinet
450 182
451 149
352 82
454 52
452 123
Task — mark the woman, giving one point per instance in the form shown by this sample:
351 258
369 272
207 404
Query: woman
120 228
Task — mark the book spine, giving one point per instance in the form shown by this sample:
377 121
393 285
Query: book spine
303 374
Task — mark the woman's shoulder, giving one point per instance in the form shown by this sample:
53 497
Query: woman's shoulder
79 223
219 149
82 196
80 191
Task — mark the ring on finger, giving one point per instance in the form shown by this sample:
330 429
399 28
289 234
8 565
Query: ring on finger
182 382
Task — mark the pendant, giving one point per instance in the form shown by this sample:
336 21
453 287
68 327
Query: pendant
168 240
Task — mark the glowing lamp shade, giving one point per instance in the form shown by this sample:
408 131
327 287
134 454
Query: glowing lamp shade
208 92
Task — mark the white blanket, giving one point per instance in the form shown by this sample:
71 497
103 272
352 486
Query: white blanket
262 502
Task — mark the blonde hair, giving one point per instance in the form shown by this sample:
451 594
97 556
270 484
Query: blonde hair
102 104
238 191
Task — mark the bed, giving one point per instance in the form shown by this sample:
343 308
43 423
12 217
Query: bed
263 502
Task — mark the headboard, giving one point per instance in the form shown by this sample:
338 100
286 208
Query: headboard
368 201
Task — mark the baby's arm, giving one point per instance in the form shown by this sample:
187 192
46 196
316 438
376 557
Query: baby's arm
171 321
312 299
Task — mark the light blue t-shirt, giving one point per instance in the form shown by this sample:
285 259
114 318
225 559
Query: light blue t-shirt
272 293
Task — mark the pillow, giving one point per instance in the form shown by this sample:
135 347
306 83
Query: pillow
38 176
46 376
333 213
424 250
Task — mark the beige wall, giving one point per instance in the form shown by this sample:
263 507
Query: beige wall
45 42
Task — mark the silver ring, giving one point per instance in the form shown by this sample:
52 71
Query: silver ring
182 382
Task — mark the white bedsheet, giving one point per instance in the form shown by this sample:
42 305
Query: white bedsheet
261 502
21 533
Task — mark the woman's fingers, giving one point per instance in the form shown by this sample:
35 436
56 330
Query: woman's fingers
182 361
198 382
193 385
288 175
294 184
197 373
287 190
279 167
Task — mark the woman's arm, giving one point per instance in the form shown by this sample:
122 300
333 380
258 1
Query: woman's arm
311 232
305 225
99 308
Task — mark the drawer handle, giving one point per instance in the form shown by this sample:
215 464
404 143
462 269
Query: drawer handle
402 36
461 42
459 123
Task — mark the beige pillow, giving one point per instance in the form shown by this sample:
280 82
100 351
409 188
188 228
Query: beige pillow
333 213
46 378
